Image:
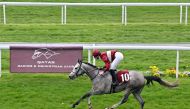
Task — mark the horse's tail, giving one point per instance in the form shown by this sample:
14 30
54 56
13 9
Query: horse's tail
150 79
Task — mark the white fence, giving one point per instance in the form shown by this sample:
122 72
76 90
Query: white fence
89 47
123 5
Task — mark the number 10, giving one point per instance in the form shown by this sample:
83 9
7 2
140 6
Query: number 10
125 77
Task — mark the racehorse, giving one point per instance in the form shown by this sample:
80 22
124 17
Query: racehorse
102 84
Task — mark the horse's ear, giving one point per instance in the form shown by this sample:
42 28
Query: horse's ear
79 61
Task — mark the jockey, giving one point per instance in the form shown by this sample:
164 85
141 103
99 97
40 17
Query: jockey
111 59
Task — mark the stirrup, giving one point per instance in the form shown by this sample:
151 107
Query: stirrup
115 84
113 87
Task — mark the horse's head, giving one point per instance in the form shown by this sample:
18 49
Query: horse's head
77 70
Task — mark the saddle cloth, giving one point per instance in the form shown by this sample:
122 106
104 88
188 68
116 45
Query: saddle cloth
123 76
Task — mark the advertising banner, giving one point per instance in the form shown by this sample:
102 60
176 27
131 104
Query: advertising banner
44 59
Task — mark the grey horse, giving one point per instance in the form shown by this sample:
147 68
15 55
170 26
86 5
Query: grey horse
103 84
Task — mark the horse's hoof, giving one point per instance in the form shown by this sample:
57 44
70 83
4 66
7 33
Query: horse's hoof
73 106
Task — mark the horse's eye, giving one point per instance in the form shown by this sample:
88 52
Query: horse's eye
75 68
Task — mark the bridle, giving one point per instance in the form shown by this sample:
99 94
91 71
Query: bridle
80 67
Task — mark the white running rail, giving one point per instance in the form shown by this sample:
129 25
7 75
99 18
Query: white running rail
123 6
89 47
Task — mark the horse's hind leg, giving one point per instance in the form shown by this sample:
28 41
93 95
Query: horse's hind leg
138 97
123 100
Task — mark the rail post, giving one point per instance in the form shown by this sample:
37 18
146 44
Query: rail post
181 14
4 14
0 64
177 64
89 56
63 14
94 60
125 10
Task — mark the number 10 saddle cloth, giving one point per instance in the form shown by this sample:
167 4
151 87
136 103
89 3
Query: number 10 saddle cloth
123 76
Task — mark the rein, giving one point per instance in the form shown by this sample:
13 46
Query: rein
88 72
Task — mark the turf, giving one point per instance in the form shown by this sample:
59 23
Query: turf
132 33
39 91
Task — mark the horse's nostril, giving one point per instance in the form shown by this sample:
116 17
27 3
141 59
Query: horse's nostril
70 77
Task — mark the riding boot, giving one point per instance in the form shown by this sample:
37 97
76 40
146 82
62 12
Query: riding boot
114 78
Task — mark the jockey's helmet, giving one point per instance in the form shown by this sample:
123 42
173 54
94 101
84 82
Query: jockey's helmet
96 53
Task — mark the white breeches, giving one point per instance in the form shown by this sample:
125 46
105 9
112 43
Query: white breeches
116 61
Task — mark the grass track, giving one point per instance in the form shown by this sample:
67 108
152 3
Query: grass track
101 33
47 91
132 33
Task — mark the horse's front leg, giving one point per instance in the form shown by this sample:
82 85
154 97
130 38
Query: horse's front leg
88 94
89 103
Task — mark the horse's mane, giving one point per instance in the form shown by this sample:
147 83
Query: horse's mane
90 64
